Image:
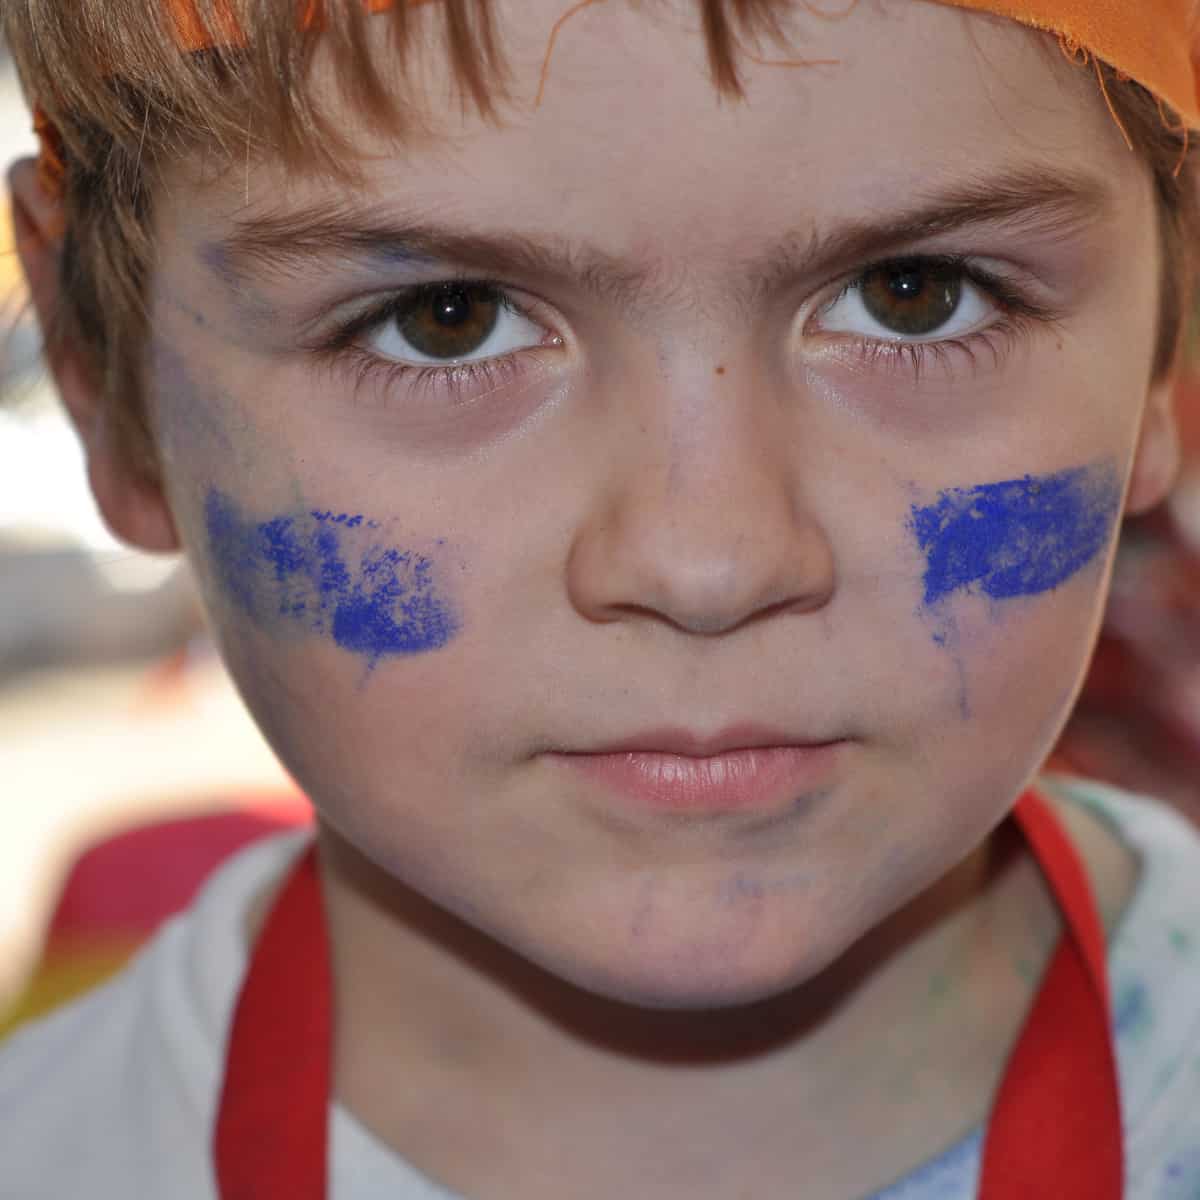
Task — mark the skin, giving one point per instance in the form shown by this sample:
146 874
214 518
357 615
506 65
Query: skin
681 509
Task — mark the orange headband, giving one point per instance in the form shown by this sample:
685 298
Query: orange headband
1152 41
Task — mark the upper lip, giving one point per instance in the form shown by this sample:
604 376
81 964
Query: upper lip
688 743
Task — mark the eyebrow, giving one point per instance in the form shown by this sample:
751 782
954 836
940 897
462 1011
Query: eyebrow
1027 200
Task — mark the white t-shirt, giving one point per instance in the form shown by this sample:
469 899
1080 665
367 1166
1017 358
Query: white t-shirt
114 1097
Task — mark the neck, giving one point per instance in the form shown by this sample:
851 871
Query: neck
428 1008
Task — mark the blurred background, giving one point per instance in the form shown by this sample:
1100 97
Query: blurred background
114 710
116 716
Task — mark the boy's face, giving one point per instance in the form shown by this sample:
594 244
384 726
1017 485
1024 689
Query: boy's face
710 477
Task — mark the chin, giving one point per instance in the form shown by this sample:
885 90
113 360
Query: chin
685 1012
692 975
683 944
678 993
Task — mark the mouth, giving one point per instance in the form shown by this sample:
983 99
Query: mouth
743 769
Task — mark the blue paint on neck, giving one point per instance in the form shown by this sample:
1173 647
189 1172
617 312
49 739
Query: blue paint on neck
327 573
1021 537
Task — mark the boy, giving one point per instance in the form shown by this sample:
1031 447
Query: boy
657 497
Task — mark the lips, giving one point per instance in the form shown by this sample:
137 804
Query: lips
740 769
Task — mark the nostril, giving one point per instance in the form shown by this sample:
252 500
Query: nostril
699 576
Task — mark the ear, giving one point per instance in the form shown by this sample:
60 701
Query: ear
134 507
1156 460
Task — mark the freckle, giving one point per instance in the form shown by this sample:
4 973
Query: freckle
720 370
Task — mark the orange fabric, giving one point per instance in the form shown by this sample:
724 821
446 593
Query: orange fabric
1152 41
192 34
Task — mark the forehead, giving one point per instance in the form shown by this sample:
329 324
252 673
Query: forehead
620 132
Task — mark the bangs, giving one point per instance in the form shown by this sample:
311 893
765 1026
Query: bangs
112 77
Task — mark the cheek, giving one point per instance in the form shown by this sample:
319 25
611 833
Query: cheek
343 631
332 575
1015 538
376 742
1012 588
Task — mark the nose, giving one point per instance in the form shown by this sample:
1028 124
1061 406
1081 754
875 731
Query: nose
704 532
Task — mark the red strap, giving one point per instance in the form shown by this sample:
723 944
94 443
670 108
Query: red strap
1055 1128
271 1134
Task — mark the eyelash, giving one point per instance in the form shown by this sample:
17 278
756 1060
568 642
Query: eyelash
473 380
1020 315
468 380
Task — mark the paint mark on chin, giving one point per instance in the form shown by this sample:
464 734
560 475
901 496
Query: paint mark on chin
1020 537
326 573
744 886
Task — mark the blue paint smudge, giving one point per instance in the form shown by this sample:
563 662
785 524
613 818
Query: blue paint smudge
350 520
1131 1009
949 639
298 567
1180 1179
1021 537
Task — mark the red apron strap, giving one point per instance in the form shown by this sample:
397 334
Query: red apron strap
271 1136
1055 1128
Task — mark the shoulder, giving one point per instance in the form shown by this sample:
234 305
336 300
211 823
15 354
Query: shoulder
1136 817
115 1094
1154 969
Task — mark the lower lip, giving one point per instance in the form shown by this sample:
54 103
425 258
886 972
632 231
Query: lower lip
738 781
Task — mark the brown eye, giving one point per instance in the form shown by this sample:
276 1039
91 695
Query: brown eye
913 298
450 321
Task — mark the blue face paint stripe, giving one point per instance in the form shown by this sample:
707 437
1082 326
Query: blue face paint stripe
298 569
1020 537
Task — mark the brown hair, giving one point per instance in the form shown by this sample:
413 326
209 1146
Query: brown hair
126 102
